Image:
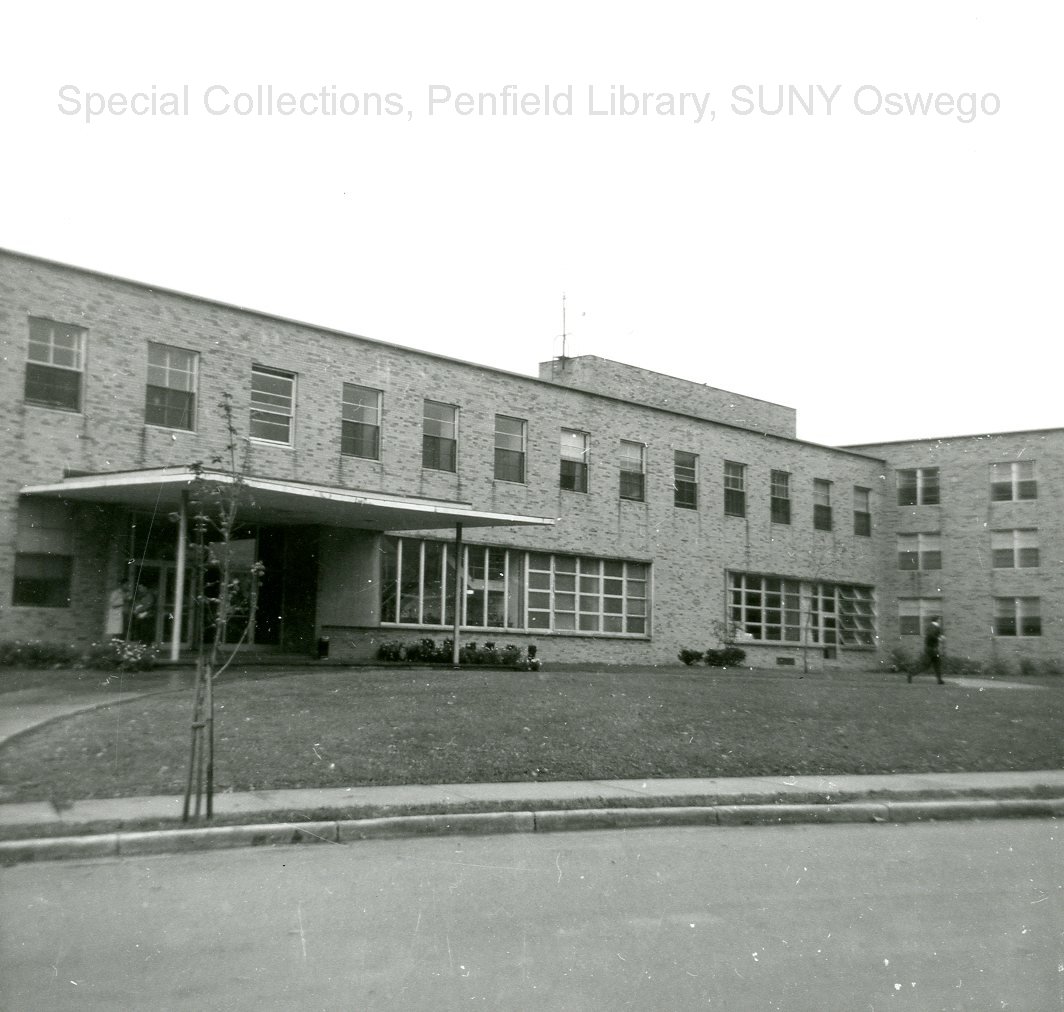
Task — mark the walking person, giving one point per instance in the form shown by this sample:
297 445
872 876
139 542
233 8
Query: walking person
933 642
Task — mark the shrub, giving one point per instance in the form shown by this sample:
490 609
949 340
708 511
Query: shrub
119 655
34 654
390 650
690 657
726 657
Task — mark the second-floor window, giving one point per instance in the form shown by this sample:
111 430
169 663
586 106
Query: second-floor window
511 435
170 400
439 443
780 493
1013 481
918 487
55 364
685 480
273 401
633 467
1015 549
734 489
920 551
574 454
862 511
360 422
822 504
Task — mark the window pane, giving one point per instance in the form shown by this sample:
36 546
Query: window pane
51 387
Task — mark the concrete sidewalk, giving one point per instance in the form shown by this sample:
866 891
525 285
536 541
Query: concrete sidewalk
342 816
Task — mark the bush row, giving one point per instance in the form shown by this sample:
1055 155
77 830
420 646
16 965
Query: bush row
428 651
111 655
725 657
1026 667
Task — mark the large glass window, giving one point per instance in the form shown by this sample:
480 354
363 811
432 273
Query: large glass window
734 489
170 400
55 364
633 468
685 480
510 447
918 486
1013 481
43 555
273 398
574 460
507 588
773 609
780 493
920 551
439 445
360 422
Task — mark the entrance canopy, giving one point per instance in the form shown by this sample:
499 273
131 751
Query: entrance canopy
271 500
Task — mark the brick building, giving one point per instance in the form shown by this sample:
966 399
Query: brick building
599 511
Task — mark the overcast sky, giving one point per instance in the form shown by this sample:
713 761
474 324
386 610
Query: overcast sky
888 275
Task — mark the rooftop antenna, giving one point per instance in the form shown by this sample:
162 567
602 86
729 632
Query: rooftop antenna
563 325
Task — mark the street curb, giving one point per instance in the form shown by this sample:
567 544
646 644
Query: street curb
177 841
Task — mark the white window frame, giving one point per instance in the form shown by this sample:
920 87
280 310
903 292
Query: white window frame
1019 543
924 548
175 378
47 354
1019 477
270 408
356 409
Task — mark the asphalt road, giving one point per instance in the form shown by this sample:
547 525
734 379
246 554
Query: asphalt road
960 915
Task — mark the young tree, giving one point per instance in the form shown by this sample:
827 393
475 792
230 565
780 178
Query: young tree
217 500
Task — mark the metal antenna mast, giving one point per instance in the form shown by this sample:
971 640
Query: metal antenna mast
563 325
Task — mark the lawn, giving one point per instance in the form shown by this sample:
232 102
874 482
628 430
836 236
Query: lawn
347 727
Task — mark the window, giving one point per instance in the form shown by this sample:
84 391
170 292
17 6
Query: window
1016 549
920 551
509 588
360 422
821 504
862 511
574 450
915 614
171 395
918 487
685 480
1013 482
43 555
439 444
511 435
775 610
633 466
734 489
780 491
566 593
273 395
55 364
1017 616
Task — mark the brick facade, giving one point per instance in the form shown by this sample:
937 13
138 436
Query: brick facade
690 552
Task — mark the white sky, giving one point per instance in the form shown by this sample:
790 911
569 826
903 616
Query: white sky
889 277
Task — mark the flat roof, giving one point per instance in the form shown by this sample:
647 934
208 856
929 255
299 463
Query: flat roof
272 500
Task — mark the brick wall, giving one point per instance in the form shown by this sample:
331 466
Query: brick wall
691 550
615 379
966 516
